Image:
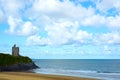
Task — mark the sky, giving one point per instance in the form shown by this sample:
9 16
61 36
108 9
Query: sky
61 29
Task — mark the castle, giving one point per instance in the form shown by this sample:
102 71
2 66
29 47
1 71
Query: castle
15 51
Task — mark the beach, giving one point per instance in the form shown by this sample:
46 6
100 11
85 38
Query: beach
34 76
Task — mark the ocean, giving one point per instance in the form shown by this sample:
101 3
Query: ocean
105 69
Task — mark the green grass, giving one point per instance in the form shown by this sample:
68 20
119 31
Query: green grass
7 59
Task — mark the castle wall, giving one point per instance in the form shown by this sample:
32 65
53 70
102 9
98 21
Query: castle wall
15 51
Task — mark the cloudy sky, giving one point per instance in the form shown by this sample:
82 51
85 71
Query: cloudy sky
77 29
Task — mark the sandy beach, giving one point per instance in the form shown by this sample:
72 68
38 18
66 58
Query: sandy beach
33 76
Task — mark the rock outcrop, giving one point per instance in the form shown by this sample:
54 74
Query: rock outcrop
19 67
16 63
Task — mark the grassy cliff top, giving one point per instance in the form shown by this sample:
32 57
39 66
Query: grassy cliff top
7 59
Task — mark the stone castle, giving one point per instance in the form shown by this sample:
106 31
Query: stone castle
15 51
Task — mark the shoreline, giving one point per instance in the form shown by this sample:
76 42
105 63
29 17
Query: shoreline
35 76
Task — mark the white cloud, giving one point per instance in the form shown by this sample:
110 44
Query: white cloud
61 32
15 7
18 27
62 21
94 20
69 11
110 22
114 22
56 9
2 17
11 7
109 38
37 40
28 29
105 5
83 36
13 24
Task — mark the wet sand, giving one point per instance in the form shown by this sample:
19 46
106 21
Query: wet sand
33 76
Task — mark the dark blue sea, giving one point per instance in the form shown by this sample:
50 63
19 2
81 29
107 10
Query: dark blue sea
105 69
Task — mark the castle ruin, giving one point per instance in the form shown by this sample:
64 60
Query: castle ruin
15 51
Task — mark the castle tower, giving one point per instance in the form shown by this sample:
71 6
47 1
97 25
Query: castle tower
15 51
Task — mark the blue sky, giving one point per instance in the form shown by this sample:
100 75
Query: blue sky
61 29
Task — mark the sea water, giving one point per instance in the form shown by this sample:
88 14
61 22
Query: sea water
105 69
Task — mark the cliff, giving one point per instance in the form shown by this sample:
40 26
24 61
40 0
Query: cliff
15 63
